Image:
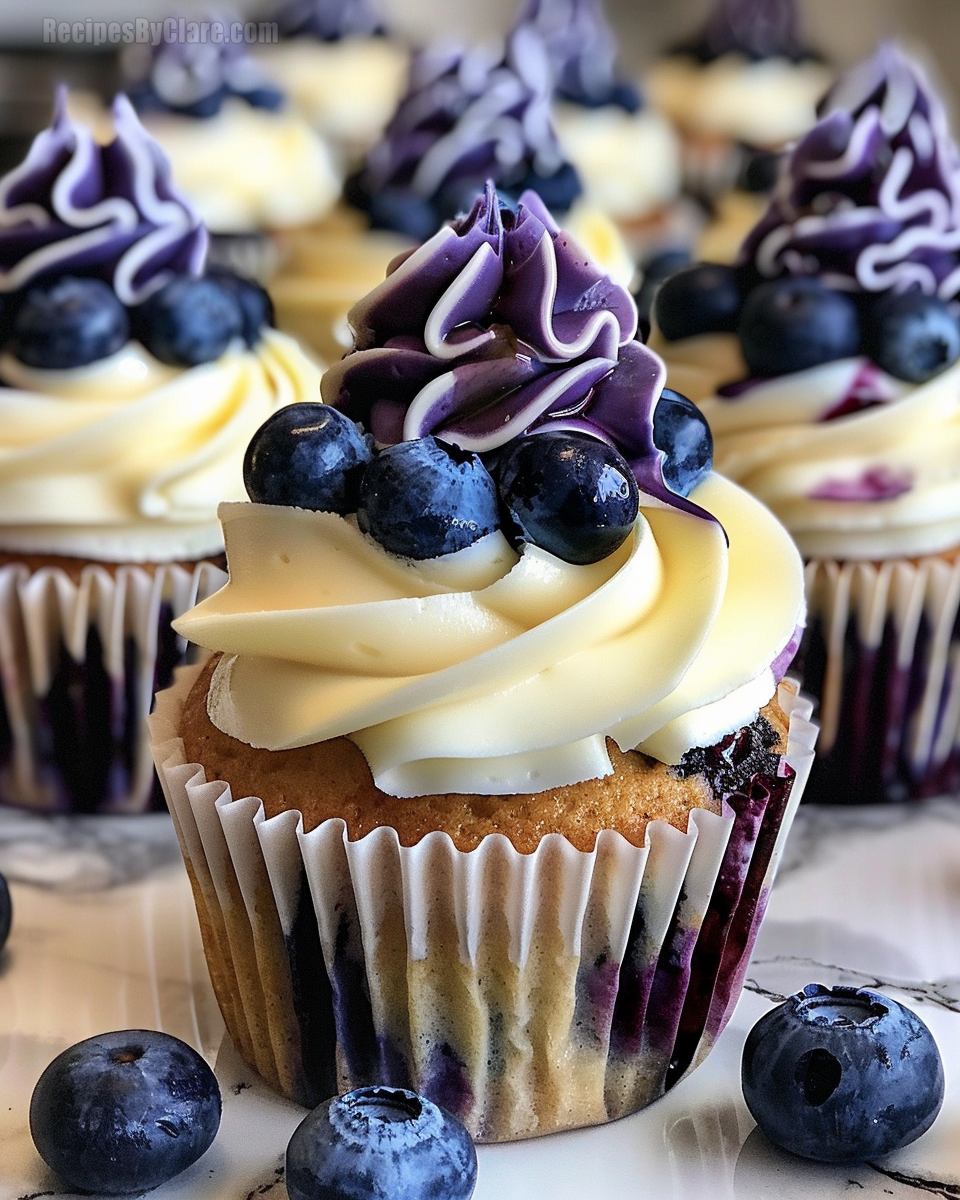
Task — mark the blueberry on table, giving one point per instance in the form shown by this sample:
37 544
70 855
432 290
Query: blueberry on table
6 912
68 323
681 431
569 493
380 1143
841 1074
423 498
912 336
308 456
189 321
704 298
125 1111
256 307
794 323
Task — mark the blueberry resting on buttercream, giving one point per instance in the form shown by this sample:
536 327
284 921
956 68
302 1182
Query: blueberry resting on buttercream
194 79
702 298
256 307
912 336
682 435
308 456
190 321
794 323
468 116
328 20
68 322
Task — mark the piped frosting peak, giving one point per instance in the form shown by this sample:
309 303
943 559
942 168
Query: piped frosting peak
758 29
869 199
76 207
329 20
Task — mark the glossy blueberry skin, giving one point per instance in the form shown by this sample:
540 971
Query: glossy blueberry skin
6 912
912 336
791 324
125 1111
423 498
68 323
655 271
569 493
841 1075
190 321
307 456
704 298
380 1143
256 307
681 431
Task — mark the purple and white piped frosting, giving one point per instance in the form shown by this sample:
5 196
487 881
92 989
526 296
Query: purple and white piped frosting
757 29
74 206
329 20
469 116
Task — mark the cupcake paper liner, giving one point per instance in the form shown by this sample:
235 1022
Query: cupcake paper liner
882 653
80 661
527 993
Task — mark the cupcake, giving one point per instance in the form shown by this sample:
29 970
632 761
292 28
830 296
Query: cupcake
131 385
625 151
488 806
826 364
467 115
745 85
339 68
245 159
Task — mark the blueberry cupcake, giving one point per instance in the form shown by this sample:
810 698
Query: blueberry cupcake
488 805
626 152
340 68
744 86
467 115
245 159
131 383
826 364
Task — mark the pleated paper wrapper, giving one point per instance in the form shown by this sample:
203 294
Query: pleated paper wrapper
527 993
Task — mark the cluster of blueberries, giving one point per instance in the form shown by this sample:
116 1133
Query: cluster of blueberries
567 492
71 321
795 322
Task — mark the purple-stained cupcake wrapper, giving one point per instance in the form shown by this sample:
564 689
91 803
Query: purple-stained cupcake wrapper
79 665
528 993
881 655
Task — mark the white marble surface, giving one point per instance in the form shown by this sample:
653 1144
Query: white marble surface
866 897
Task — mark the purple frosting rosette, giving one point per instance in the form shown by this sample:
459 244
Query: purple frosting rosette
757 29
329 20
499 327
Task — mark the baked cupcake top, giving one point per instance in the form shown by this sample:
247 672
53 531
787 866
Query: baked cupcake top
747 76
243 158
825 361
132 381
530 552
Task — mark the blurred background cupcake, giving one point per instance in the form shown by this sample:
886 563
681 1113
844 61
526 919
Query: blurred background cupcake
132 380
246 159
826 365
340 67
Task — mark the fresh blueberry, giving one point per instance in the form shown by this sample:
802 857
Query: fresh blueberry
660 267
189 321
308 456
256 307
69 323
423 498
569 493
403 212
558 191
794 323
265 96
758 173
124 1111
380 1143
6 912
704 298
841 1074
681 431
912 336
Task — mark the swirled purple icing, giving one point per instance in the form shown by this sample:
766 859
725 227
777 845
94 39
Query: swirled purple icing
758 29
500 326
73 206
329 20
582 50
469 116
869 199
195 78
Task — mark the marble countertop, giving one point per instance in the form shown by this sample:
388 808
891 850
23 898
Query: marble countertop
105 937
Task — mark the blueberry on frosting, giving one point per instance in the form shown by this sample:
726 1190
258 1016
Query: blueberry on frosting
68 322
794 323
190 321
912 336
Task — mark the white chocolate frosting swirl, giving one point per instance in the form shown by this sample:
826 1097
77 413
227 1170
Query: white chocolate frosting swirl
126 459
485 672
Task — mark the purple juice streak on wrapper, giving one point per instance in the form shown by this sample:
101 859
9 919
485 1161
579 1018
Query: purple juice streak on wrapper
111 211
596 995
446 1081
352 1015
669 988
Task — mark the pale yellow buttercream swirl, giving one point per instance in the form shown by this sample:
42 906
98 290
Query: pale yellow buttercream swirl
877 483
493 673
127 459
